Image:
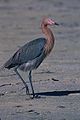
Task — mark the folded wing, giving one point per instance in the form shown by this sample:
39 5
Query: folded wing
28 52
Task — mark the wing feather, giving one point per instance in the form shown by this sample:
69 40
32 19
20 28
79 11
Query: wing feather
29 51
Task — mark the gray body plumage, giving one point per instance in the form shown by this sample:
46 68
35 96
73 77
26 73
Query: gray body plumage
29 56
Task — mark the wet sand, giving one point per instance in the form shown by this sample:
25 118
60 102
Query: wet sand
59 99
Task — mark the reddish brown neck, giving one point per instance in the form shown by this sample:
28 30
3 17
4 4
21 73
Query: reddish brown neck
49 37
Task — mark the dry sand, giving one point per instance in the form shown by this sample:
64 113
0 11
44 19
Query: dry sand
59 100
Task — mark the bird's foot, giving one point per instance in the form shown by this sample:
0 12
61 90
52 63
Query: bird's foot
27 90
31 96
25 87
35 96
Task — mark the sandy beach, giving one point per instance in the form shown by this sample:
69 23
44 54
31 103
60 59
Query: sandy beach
59 99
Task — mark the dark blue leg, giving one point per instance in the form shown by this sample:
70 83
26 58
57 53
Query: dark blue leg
30 79
27 90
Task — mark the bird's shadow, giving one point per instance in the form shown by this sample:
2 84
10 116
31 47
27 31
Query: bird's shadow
58 93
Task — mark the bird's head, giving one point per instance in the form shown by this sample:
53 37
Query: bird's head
49 21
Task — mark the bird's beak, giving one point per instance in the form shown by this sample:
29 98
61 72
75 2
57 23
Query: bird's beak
56 23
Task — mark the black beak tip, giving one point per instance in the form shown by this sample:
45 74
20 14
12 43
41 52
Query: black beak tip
56 23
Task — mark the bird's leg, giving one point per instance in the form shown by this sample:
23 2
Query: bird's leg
30 79
27 89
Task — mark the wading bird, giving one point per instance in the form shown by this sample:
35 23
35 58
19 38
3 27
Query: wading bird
31 55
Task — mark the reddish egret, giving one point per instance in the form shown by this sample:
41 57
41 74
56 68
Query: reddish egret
31 55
